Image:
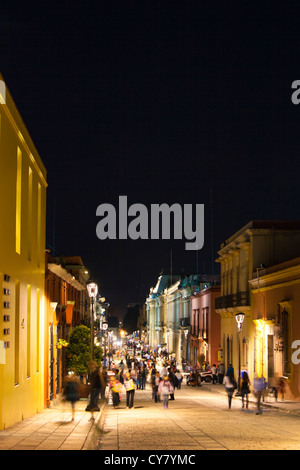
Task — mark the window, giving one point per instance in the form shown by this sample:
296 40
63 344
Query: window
285 342
17 331
39 224
245 353
18 201
28 328
29 215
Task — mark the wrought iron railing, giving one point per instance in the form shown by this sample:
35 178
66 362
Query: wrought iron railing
240 299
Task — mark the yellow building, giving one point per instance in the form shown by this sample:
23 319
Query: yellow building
256 246
276 307
22 268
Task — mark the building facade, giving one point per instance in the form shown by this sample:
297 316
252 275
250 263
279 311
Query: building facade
66 305
205 327
276 316
169 313
23 183
258 245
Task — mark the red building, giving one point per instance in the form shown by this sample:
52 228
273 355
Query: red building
205 326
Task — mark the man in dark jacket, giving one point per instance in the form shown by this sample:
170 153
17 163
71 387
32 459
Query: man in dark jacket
173 380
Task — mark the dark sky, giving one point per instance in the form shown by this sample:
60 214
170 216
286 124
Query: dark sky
163 102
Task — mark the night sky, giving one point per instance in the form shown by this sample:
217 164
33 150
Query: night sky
164 102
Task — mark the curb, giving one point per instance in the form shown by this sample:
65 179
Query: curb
92 439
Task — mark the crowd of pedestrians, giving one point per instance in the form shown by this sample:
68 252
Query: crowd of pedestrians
164 377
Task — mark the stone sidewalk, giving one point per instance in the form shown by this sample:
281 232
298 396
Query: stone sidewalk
53 429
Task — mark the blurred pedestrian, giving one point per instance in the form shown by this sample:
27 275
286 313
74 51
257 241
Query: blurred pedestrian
115 388
245 389
221 372
163 371
214 373
95 389
259 387
139 379
165 389
230 384
71 391
130 390
143 377
173 380
179 377
103 383
104 375
155 385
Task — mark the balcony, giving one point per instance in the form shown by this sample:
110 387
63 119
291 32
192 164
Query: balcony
184 322
232 301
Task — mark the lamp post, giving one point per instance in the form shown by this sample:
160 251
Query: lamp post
93 292
240 317
104 328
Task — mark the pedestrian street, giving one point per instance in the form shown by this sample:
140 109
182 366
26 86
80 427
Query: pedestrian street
198 419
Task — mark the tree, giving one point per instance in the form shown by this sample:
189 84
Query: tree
79 350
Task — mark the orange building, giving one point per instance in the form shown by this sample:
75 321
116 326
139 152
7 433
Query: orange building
276 315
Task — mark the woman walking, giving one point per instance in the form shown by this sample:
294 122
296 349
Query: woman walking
230 385
165 389
245 388
71 391
115 387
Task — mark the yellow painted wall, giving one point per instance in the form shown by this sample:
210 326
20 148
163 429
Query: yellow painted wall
22 191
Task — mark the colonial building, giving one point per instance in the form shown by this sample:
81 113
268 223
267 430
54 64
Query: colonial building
259 244
157 312
205 326
66 306
23 183
276 316
169 312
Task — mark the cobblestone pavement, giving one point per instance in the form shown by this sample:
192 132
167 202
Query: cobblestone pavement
197 419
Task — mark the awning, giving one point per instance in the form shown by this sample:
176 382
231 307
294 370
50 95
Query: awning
69 312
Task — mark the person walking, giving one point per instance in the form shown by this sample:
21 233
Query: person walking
245 389
214 373
95 384
230 385
173 380
221 372
259 387
71 391
143 377
179 377
163 371
165 389
115 387
103 382
130 389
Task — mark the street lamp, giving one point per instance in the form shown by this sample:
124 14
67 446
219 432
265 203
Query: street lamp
104 328
92 289
240 317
